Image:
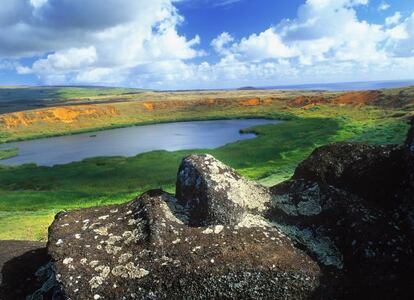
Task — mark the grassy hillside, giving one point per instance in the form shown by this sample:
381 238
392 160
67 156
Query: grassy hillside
13 99
31 195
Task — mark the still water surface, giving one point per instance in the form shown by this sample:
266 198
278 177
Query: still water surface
131 141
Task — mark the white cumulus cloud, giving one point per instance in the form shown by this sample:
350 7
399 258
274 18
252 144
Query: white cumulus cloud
327 41
80 40
219 43
394 19
384 6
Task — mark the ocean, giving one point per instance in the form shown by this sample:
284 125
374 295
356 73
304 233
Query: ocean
344 86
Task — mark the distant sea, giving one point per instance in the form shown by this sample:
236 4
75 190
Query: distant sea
344 86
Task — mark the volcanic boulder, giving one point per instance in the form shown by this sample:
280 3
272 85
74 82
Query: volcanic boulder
213 193
409 145
374 172
19 263
146 249
409 142
351 207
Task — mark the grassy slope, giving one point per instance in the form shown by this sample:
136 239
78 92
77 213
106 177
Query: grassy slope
28 94
25 98
31 195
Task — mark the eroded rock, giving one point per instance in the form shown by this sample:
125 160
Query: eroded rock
409 142
369 171
351 207
160 256
19 263
213 193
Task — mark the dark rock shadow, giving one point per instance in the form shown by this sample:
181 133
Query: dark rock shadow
18 274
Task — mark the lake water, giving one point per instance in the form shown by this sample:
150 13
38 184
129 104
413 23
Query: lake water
131 141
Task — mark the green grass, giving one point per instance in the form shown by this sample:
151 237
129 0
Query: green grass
56 93
8 153
22 98
25 225
30 195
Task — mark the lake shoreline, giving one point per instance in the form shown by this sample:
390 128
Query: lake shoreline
134 140
282 117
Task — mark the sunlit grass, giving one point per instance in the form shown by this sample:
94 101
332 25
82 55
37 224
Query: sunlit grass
24 225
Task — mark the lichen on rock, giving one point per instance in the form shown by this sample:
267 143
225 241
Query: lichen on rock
213 193
155 245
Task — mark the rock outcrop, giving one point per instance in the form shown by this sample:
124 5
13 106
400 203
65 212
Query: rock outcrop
214 194
342 227
352 207
146 249
409 148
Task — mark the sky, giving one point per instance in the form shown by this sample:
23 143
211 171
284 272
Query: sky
197 44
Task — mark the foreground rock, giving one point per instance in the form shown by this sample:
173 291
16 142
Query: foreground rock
352 207
342 227
143 250
213 193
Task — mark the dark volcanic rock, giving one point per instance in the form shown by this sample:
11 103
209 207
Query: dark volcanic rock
372 172
143 250
351 207
409 145
367 245
409 142
213 193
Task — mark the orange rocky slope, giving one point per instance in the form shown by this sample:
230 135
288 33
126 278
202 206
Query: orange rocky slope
68 114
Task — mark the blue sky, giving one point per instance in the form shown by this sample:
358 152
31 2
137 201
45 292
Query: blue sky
183 44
